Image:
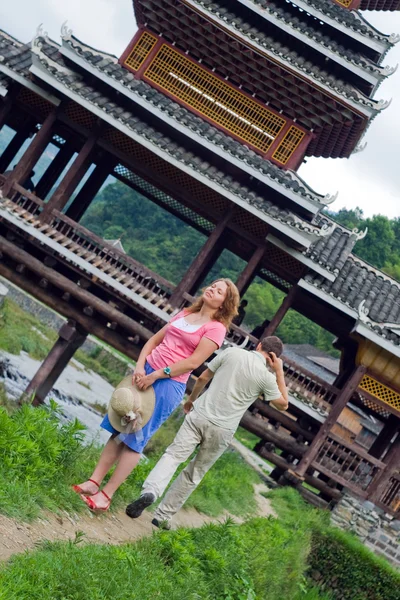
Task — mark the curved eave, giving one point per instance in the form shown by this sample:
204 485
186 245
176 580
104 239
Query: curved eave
31 85
364 106
365 74
297 234
359 327
311 206
379 45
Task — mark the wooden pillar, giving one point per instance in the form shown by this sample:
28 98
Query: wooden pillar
85 196
384 438
70 339
71 179
202 263
247 275
14 147
337 407
54 171
5 108
32 153
280 313
392 461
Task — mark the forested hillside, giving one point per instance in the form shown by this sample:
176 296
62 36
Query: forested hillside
167 245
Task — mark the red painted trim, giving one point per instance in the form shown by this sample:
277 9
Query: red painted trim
298 155
149 59
129 47
139 74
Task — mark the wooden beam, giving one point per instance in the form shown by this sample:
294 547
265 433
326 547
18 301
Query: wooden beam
54 170
5 108
201 263
32 153
392 462
64 284
384 438
62 306
280 313
71 179
283 464
70 339
91 187
14 147
266 410
247 275
337 407
281 440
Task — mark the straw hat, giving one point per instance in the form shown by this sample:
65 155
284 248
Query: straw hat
130 408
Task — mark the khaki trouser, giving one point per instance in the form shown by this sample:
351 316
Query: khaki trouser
195 431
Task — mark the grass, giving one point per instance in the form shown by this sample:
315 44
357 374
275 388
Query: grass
22 332
247 438
257 560
40 459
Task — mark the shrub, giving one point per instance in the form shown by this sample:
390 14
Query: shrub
340 563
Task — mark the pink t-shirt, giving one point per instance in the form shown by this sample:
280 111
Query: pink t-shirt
178 344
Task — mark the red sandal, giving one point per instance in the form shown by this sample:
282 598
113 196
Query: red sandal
93 506
78 489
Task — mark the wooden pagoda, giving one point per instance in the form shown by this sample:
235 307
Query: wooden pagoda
209 113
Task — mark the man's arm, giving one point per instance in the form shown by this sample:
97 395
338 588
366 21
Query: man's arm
276 364
199 386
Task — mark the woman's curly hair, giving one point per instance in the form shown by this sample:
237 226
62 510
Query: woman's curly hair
229 308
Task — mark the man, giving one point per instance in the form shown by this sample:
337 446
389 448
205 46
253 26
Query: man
238 378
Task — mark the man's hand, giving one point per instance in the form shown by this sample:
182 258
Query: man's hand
274 362
188 407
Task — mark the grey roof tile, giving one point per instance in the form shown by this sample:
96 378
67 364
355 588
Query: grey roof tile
358 282
352 19
288 179
180 153
305 26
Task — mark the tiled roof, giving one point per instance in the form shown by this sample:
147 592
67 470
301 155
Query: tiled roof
337 123
332 251
359 285
304 26
108 65
53 63
351 19
380 5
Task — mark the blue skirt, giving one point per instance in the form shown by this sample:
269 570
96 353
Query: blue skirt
169 394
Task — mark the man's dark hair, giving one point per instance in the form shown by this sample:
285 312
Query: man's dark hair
272 344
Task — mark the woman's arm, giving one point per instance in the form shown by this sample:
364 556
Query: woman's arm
147 349
203 351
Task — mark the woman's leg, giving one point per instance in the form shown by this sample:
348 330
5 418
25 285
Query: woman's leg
127 461
110 455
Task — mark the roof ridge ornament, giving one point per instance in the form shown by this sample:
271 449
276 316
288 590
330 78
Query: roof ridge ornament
387 71
360 147
394 38
359 235
330 198
327 230
66 32
37 51
363 313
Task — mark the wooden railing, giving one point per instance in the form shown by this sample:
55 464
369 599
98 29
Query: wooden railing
87 245
348 464
390 497
309 388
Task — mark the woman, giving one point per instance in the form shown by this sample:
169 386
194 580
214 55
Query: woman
165 362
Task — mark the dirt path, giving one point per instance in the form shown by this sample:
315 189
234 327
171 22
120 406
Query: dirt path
117 528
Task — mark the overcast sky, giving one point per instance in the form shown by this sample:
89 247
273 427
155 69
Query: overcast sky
370 179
